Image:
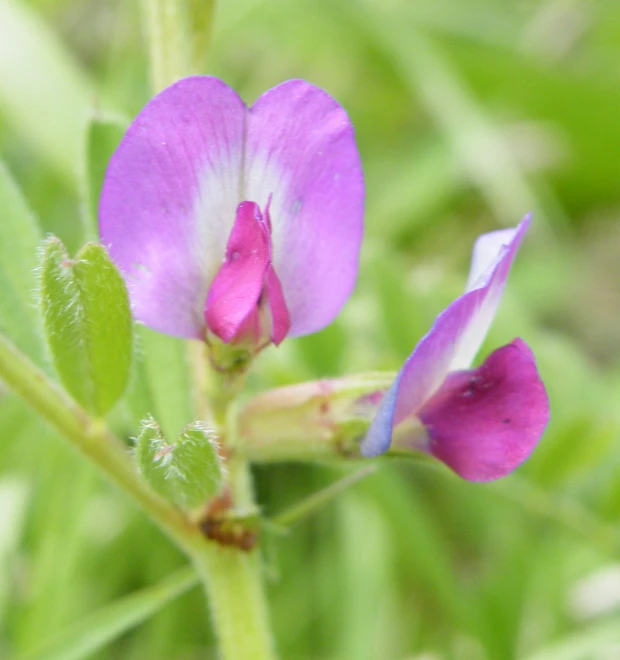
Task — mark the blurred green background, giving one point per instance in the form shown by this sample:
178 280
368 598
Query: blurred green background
469 113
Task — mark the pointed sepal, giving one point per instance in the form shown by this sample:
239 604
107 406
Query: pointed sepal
187 472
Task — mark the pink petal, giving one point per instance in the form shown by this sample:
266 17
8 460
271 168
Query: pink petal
280 319
484 423
301 150
238 285
169 199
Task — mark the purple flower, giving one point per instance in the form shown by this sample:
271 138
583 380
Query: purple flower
484 422
236 222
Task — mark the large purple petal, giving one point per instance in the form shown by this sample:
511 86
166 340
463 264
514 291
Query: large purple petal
169 199
458 332
191 156
301 151
484 423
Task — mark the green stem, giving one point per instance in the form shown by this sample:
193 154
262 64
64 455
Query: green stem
232 577
179 33
234 588
234 585
169 45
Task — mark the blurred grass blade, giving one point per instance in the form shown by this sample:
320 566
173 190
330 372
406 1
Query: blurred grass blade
367 577
103 135
99 629
43 92
165 370
88 324
595 642
14 493
475 139
20 238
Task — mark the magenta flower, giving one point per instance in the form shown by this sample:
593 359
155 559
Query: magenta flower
235 222
484 422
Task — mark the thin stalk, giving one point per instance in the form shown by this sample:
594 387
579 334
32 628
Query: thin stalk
168 41
232 577
308 506
233 583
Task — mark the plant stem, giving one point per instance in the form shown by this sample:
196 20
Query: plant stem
232 577
233 583
169 45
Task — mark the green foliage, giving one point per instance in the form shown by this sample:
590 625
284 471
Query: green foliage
87 324
411 562
187 472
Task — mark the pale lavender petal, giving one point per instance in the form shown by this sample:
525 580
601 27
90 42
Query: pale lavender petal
379 435
457 333
484 423
238 285
169 198
485 253
301 151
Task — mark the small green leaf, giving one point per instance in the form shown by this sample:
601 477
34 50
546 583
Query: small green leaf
87 322
103 135
187 472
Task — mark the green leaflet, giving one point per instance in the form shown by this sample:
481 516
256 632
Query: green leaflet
87 322
187 472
